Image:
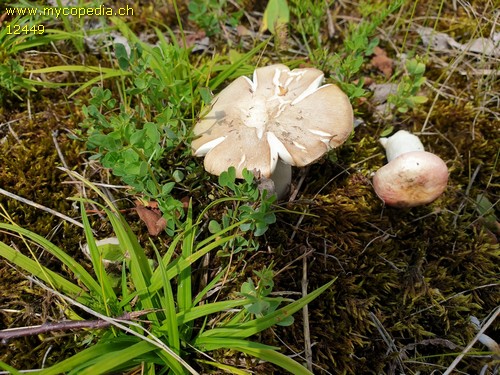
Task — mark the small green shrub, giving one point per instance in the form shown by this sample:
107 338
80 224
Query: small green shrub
210 14
406 96
135 137
250 205
346 64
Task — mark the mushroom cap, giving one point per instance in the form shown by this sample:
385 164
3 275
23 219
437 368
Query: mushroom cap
412 179
280 114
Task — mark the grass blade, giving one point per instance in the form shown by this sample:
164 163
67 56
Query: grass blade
107 294
34 268
211 308
214 343
277 358
116 359
257 325
80 273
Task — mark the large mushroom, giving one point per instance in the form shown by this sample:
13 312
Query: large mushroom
281 118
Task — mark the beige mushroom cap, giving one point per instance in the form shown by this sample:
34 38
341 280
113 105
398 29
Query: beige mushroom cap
280 114
412 179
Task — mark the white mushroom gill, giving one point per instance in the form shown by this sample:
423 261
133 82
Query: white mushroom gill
320 133
206 147
242 161
278 149
299 145
276 78
311 89
252 83
325 137
279 91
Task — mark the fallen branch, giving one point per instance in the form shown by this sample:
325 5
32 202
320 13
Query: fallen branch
65 325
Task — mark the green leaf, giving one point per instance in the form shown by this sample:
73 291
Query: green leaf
122 56
168 305
104 362
36 269
167 188
388 130
419 99
106 291
88 356
214 227
277 14
214 343
227 178
210 308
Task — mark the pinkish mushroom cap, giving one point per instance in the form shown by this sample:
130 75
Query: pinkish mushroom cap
412 179
280 114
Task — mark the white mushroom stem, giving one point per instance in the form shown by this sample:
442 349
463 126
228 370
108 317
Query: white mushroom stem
282 178
400 143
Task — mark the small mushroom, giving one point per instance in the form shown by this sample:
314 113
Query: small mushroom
413 177
281 118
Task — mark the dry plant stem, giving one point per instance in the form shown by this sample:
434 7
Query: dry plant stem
11 333
39 206
305 312
457 360
303 174
80 188
293 261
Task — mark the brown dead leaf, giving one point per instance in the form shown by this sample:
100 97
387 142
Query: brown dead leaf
2 18
243 31
382 62
441 42
198 41
152 217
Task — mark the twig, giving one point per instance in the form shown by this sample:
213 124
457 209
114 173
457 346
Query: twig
295 192
305 313
79 187
389 341
66 325
39 206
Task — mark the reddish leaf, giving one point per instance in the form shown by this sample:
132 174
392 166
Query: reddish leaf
382 62
152 217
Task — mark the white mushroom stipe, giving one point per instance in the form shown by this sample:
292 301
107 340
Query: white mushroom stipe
399 143
278 115
282 177
411 178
